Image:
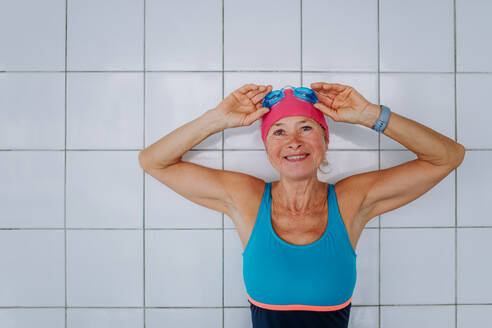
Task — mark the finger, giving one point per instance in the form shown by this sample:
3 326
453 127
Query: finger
326 98
259 97
256 115
323 94
317 85
250 94
247 87
261 92
326 110
334 87
329 95
323 86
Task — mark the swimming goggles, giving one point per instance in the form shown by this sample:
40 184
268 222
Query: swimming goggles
300 92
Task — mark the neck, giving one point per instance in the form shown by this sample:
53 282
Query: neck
299 197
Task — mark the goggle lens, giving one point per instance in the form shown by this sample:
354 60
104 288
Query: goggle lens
275 96
308 93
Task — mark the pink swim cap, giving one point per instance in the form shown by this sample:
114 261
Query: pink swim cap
291 105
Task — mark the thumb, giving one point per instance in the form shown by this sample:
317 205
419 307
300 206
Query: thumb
328 111
256 115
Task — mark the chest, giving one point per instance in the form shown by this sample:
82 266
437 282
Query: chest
291 229
300 229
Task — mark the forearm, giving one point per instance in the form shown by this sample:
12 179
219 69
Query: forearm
171 148
426 143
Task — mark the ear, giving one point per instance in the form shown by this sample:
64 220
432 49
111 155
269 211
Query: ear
324 136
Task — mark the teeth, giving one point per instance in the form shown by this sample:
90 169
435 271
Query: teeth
296 157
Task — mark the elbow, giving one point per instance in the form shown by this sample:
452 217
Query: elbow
146 164
459 155
141 160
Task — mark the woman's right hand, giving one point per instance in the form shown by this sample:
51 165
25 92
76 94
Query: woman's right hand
244 106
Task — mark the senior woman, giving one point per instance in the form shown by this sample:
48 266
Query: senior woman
300 234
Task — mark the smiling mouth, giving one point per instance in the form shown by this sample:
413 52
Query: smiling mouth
297 158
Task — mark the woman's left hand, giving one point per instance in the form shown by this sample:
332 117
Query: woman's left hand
340 102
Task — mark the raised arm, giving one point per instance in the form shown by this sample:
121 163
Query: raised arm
212 188
380 191
388 189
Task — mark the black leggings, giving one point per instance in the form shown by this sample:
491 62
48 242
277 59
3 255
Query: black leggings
265 318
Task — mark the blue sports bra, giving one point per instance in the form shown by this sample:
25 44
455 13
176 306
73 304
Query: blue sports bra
281 276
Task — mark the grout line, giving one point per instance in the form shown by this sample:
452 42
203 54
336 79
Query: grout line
233 228
455 179
301 45
222 153
143 172
227 307
379 163
231 149
244 71
199 229
65 173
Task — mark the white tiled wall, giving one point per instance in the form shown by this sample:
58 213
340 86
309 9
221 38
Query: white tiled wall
88 240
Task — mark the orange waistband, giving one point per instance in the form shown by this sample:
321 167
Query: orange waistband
300 306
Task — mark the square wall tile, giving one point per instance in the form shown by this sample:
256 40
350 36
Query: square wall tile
31 189
105 110
364 317
105 35
417 266
254 162
348 135
183 268
250 136
474 268
417 316
32 268
238 317
166 208
186 318
102 318
174 99
262 35
104 268
327 27
26 318
32 35
412 39
473 193
183 35
474 114
433 208
425 98
104 189
473 315
473 42
32 110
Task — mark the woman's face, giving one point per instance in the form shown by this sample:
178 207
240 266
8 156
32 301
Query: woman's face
296 135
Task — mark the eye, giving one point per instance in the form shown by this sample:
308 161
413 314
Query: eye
305 126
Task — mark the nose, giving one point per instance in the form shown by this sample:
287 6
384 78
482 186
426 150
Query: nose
294 147
294 143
